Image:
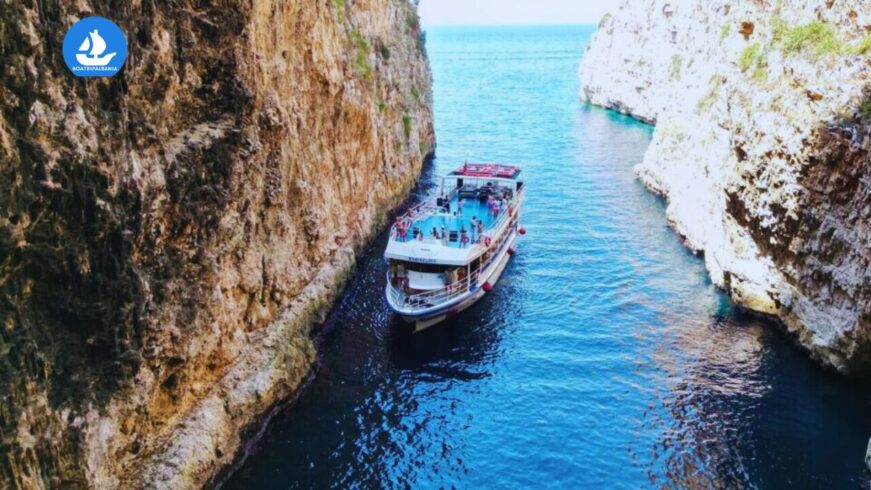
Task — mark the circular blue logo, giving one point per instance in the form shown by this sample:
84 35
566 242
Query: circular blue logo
95 47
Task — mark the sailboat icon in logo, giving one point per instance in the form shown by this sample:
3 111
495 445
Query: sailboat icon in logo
91 49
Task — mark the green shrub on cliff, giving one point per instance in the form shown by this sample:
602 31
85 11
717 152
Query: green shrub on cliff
361 58
818 37
866 109
754 57
413 21
676 64
710 98
750 56
863 48
340 10
760 74
406 125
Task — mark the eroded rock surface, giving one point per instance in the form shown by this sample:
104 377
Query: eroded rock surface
761 148
169 236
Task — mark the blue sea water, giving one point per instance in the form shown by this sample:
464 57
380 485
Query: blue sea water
603 359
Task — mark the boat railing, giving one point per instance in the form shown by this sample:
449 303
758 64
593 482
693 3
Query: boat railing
428 299
432 298
402 230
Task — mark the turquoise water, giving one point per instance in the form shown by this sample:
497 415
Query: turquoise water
603 359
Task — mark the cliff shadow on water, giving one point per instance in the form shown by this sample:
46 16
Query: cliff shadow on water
368 274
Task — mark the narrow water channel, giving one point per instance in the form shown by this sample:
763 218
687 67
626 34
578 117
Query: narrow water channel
603 359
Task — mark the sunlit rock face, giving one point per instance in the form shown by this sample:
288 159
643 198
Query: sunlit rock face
761 149
169 236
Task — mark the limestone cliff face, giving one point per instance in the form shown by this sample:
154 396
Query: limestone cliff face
169 236
761 149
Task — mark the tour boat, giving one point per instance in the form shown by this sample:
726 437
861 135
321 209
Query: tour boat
448 252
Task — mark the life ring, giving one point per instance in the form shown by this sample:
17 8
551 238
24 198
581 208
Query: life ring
487 241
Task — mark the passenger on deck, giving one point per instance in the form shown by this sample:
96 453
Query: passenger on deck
464 236
444 236
435 233
401 228
452 279
460 204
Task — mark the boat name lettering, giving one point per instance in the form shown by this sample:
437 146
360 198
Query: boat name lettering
421 260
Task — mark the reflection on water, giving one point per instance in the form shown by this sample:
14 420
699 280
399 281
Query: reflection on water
604 358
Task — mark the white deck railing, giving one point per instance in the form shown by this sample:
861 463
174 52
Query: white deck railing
428 208
429 299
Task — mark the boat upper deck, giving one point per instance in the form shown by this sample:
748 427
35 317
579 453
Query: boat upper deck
474 199
476 203
454 222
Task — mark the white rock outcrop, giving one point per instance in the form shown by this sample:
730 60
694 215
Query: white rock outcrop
761 148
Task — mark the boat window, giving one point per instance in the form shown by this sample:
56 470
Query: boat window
425 268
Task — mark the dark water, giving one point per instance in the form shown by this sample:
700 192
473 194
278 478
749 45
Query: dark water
603 359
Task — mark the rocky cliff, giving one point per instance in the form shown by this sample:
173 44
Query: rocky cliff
170 236
763 131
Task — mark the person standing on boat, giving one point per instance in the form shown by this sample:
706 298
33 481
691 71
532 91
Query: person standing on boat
401 228
460 204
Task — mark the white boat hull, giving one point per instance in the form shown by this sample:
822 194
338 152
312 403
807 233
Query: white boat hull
492 276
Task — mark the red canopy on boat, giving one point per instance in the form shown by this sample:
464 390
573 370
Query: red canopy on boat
487 170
